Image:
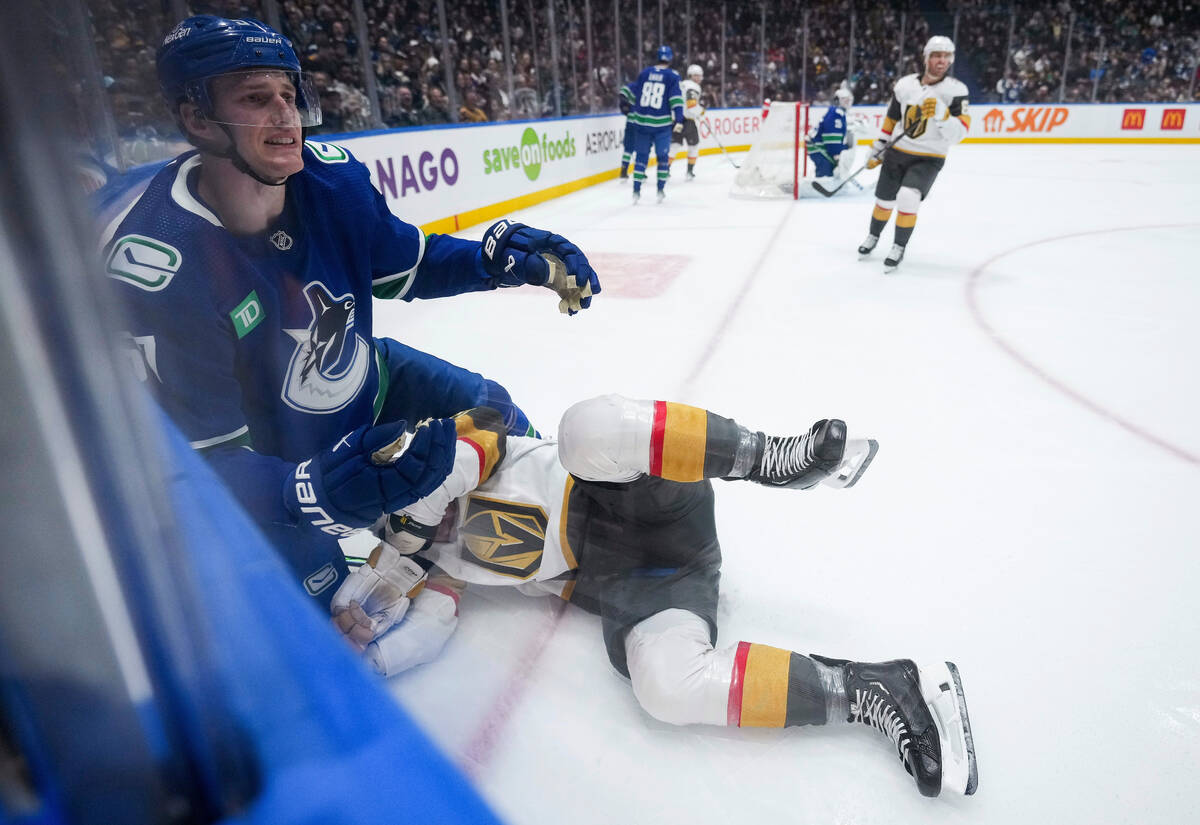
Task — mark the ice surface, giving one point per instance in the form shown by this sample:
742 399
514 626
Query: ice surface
1033 514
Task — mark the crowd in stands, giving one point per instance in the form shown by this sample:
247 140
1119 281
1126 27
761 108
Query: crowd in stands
1144 50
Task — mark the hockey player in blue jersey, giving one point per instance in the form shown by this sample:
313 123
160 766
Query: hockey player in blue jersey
657 104
827 143
248 268
629 140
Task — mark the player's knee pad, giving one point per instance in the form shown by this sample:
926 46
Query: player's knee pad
606 438
885 205
677 676
908 199
693 151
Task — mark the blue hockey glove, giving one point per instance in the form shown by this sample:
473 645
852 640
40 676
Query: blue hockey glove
516 254
371 471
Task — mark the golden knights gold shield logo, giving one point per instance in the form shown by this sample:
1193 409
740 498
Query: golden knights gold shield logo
504 536
912 114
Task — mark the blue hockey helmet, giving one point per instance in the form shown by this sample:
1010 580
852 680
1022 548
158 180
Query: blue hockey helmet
665 54
206 46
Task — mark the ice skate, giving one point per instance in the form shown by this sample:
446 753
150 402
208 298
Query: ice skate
624 174
660 197
823 454
637 196
894 258
691 176
924 712
868 246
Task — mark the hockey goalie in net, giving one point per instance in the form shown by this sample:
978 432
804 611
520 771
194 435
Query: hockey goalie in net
797 145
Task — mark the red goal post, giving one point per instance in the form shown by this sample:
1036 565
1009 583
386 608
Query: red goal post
778 158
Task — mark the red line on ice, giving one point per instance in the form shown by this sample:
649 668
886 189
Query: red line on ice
973 303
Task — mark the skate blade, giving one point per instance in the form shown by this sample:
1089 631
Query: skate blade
941 687
860 452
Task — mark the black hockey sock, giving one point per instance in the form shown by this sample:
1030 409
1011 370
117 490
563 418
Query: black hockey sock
691 165
905 222
775 688
879 219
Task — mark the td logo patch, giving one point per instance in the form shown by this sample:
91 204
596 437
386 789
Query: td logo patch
146 263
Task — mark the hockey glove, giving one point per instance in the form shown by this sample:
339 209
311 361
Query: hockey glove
427 626
516 254
929 108
877 148
677 129
371 471
376 595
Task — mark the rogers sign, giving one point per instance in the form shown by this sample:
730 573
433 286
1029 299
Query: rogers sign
730 125
413 178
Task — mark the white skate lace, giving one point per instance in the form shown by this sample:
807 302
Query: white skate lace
872 709
786 457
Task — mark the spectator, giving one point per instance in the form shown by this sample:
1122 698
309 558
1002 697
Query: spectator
437 108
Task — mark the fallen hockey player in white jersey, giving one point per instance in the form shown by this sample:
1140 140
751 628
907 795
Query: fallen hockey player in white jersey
619 520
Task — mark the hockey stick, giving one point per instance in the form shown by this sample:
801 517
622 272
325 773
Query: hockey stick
829 193
713 132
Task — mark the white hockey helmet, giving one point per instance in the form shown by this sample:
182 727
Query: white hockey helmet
938 43
695 73
843 97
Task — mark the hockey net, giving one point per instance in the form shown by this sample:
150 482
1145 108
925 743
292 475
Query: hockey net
778 158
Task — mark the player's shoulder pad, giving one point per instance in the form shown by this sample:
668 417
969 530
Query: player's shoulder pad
151 244
955 87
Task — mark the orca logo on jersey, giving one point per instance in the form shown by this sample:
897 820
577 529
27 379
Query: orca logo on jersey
504 536
330 364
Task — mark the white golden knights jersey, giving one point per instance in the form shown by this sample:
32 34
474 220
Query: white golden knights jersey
512 528
935 136
691 99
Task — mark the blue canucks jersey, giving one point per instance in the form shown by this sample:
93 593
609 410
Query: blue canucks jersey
831 133
655 98
265 341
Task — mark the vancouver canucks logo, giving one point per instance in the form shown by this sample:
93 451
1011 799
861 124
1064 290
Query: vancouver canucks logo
330 363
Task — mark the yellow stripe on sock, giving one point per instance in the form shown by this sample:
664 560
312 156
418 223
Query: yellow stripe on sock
881 214
684 439
765 687
906 220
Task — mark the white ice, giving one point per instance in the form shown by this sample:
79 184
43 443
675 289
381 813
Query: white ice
1033 514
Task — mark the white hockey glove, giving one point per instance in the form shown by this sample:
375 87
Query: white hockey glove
876 152
376 595
424 632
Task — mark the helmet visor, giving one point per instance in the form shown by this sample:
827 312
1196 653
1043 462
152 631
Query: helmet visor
258 97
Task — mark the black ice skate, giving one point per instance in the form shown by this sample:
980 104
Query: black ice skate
823 454
924 712
868 246
660 197
894 258
690 175
624 173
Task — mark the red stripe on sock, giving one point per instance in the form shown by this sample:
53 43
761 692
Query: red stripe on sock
656 437
734 714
